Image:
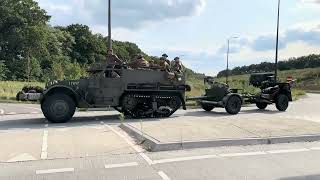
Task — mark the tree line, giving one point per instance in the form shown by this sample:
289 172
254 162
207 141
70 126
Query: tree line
311 61
32 50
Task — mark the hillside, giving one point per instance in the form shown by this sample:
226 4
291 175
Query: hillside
303 62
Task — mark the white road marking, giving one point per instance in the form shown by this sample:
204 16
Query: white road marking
11 113
51 171
44 149
242 154
288 151
133 146
315 148
1 111
162 161
163 175
22 158
111 166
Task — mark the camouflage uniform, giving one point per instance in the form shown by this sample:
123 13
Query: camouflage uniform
164 66
140 62
177 66
165 57
112 62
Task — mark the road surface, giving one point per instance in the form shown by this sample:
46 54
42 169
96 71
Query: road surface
93 147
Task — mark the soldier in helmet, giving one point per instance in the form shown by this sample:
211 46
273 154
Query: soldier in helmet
177 66
164 65
139 63
165 57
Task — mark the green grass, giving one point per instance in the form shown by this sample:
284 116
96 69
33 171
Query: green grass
9 89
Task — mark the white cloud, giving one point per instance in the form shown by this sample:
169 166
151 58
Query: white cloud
126 13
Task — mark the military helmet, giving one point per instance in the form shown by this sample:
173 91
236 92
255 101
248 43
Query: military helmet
165 55
176 58
140 56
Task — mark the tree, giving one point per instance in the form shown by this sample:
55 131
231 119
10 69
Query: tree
22 32
3 70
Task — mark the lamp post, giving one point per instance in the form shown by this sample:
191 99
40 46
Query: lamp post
228 52
277 43
109 26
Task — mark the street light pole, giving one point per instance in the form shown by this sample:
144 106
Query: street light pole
277 43
227 73
109 26
228 52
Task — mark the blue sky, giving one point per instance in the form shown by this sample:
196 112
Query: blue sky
198 30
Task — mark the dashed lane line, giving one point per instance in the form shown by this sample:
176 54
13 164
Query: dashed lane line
163 175
288 151
1 111
162 161
44 149
52 171
229 155
122 165
242 154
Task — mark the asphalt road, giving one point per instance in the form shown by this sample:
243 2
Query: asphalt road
93 147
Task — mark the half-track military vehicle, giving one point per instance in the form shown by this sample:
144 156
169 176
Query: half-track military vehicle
139 93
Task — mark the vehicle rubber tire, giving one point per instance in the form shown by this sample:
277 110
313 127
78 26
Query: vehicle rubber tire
282 102
207 107
233 105
58 108
261 105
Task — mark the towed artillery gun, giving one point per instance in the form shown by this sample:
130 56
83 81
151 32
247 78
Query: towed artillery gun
271 92
220 95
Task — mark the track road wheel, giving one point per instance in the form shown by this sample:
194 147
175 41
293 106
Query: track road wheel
262 105
282 102
58 108
207 107
233 105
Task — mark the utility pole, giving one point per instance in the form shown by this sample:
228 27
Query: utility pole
227 73
277 43
109 26
228 52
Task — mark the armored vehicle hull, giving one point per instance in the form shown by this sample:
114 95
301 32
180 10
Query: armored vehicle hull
136 93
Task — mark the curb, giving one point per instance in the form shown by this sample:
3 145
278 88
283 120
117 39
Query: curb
153 145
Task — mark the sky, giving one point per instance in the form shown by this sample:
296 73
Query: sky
197 30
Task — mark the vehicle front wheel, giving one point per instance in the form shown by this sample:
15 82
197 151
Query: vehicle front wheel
58 108
207 107
261 105
233 105
282 102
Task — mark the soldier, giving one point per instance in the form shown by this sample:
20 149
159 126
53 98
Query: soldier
140 62
164 66
113 62
177 66
112 59
165 56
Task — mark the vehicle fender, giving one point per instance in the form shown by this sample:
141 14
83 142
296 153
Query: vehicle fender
227 97
61 89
